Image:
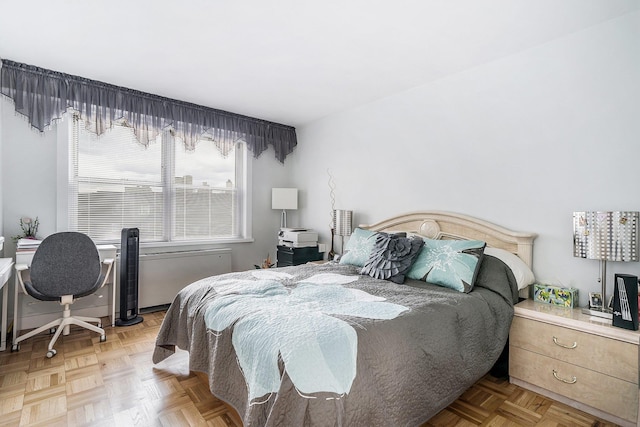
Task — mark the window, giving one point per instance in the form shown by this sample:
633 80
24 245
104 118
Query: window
169 193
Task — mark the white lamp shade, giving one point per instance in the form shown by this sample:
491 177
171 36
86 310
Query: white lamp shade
284 198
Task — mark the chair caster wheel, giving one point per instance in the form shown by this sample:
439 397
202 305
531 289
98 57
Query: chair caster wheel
103 338
51 353
15 347
52 331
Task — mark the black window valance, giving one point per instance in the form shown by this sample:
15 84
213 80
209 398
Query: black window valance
43 95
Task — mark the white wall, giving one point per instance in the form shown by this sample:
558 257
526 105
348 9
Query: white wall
28 174
522 142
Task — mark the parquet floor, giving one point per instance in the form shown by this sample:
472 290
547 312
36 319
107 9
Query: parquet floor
114 383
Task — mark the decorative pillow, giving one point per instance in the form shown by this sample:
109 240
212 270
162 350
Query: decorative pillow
392 256
358 247
450 263
521 271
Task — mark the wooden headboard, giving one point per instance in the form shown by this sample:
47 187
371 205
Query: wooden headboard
447 225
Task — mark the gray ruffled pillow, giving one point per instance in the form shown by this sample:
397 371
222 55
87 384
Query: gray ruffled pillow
392 256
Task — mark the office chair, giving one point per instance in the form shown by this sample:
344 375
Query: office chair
66 266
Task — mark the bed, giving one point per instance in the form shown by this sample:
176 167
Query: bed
326 345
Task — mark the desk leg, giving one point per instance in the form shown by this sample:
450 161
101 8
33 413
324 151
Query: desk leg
16 316
3 335
113 297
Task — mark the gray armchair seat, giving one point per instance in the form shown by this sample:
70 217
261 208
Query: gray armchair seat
66 266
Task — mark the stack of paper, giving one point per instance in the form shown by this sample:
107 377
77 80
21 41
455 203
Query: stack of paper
28 244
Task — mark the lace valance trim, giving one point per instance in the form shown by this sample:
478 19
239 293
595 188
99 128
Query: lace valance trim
43 96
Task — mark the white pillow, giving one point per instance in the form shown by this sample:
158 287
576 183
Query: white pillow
521 271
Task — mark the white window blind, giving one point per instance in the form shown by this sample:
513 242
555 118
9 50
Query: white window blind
169 193
204 193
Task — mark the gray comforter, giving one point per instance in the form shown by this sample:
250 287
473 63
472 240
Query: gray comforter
321 345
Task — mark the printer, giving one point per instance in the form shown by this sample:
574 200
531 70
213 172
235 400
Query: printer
297 237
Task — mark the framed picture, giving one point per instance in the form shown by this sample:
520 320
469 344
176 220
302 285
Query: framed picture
610 304
595 300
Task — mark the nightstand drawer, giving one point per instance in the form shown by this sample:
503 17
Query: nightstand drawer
608 394
608 356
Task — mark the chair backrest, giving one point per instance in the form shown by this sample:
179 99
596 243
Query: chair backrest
66 263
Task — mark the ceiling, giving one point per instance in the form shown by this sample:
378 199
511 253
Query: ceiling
289 61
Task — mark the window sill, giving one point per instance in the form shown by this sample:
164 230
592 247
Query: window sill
159 247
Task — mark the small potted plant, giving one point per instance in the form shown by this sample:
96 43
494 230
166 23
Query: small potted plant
265 264
29 229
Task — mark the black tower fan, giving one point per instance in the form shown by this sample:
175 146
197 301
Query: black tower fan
129 262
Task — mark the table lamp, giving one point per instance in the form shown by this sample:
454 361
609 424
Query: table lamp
605 236
342 224
284 198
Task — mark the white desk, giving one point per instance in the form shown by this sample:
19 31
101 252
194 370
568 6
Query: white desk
5 273
25 257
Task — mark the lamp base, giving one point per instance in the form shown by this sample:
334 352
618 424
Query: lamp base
598 312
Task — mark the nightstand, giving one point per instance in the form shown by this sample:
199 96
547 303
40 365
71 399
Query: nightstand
295 256
577 360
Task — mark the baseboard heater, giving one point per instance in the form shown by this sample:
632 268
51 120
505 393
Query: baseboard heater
162 275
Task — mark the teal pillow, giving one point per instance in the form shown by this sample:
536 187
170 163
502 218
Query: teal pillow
358 247
450 263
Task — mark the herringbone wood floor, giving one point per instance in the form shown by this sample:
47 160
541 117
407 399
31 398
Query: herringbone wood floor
115 384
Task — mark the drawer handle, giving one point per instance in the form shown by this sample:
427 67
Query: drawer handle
574 345
572 381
